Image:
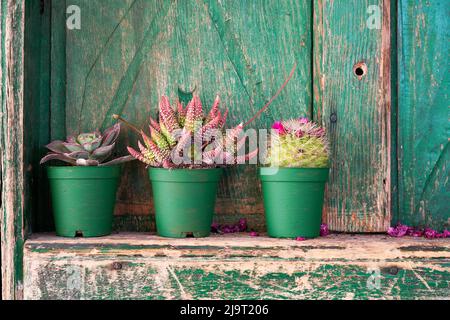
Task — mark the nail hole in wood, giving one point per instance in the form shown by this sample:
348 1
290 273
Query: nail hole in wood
390 270
117 266
360 70
333 117
78 234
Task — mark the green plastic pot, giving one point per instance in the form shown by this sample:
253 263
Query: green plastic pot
293 200
83 199
184 201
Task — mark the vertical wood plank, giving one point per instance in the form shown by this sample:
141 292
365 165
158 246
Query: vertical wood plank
13 205
58 70
394 114
37 104
355 110
424 127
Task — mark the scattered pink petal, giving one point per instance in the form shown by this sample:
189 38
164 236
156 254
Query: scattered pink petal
300 239
398 231
417 233
215 227
241 226
430 233
402 230
254 234
324 230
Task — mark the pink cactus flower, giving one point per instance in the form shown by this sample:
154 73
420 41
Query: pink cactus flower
300 239
299 134
254 234
279 127
303 120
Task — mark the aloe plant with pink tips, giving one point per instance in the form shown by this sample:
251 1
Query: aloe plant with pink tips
175 134
185 138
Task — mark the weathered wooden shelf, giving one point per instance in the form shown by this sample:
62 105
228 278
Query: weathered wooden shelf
237 266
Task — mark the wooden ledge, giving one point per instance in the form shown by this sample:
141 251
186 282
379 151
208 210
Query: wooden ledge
236 266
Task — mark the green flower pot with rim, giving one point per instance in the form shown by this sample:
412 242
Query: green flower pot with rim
184 200
83 199
293 200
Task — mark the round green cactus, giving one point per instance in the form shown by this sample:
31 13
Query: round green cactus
298 143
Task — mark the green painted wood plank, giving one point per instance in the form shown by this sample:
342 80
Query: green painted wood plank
58 84
143 266
128 53
43 220
32 98
37 104
394 115
424 127
355 111
14 187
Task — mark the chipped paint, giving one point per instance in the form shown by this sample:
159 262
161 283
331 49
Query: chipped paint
234 267
12 180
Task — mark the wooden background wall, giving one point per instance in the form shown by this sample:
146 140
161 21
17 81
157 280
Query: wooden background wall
128 53
242 51
390 156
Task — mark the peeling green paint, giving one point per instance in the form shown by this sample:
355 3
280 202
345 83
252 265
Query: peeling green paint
263 268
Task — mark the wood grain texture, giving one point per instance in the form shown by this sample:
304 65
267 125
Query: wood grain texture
37 100
356 112
144 266
423 117
128 53
13 196
58 81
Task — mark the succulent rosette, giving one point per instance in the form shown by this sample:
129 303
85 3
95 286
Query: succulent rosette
298 143
87 149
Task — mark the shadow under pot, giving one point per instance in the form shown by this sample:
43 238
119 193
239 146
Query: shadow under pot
293 200
83 199
184 200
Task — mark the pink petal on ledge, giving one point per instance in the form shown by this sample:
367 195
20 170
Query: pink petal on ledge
324 230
